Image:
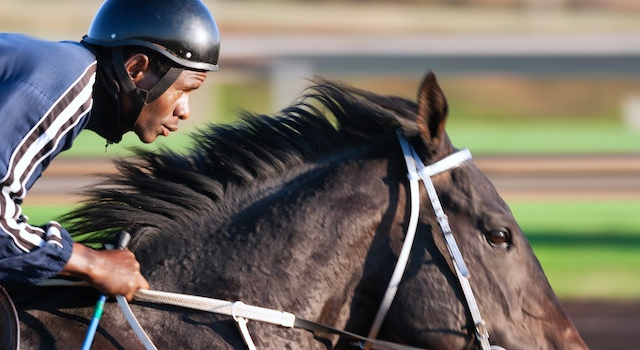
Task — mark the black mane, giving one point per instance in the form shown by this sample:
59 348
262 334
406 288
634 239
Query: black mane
165 188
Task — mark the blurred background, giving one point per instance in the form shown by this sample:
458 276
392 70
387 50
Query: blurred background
545 93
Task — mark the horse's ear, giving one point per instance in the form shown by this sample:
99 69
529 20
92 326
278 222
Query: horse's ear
432 111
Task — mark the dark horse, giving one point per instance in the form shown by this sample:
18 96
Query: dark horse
306 212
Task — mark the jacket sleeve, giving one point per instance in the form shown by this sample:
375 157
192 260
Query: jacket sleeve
30 253
29 142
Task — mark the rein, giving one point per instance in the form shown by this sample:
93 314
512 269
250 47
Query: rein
241 312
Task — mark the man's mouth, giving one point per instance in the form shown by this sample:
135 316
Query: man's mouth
166 129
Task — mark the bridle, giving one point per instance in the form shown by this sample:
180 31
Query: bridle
241 312
416 171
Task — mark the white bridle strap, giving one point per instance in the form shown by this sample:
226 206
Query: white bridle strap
443 221
451 161
403 258
462 272
418 171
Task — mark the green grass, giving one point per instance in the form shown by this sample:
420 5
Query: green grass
41 214
89 144
543 137
579 219
587 249
592 271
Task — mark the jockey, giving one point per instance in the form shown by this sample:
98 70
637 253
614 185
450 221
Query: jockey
133 71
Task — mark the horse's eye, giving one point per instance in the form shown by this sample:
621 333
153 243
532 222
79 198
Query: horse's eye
499 237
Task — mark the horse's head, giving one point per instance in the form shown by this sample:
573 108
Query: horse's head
431 310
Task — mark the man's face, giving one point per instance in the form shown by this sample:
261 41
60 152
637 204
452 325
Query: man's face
161 116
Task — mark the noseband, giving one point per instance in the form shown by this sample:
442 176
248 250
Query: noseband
418 171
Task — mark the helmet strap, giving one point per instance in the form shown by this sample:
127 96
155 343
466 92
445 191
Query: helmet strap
163 84
139 97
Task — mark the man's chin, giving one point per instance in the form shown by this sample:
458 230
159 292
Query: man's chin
147 138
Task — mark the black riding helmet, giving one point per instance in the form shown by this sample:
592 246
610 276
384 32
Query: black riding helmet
184 31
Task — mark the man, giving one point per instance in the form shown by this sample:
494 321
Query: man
134 71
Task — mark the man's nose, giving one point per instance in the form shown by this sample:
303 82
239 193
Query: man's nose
183 110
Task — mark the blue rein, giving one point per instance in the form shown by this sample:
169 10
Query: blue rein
122 242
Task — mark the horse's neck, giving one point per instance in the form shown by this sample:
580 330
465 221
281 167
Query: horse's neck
310 234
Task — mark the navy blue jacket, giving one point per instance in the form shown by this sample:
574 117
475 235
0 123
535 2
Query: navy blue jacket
46 91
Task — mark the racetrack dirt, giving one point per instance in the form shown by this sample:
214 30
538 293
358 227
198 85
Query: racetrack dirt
607 325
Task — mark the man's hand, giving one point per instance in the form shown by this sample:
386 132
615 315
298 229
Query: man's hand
114 272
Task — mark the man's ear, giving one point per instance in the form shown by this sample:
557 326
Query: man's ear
137 65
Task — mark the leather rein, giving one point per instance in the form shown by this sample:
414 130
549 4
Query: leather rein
242 313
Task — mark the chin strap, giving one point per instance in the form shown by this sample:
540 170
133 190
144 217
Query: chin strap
139 97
